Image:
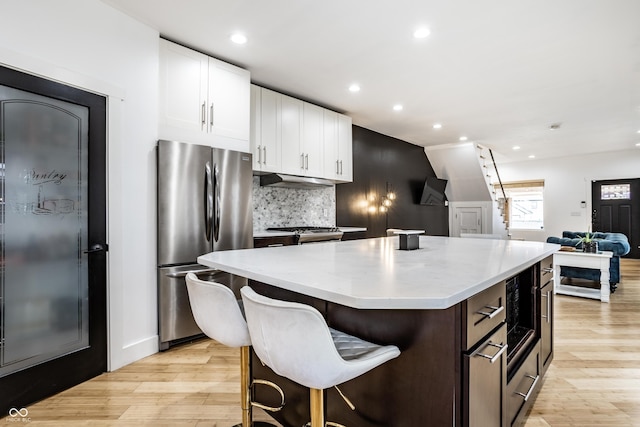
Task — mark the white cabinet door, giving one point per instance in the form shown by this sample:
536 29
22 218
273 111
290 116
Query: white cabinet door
345 149
271 131
229 98
330 138
311 144
183 87
468 220
291 134
265 129
255 134
338 147
202 99
299 138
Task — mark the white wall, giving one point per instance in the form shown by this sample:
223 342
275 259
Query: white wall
460 165
88 44
567 182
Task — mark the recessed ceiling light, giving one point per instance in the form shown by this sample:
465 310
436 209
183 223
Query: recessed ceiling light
516 147
238 38
638 131
463 138
532 156
437 126
637 144
421 33
354 88
397 107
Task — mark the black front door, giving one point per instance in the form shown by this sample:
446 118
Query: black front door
53 327
616 209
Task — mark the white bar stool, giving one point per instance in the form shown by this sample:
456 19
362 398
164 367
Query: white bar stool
217 312
295 341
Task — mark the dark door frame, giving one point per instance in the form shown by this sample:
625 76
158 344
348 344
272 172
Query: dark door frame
19 389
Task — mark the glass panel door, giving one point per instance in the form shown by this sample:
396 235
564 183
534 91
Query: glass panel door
43 220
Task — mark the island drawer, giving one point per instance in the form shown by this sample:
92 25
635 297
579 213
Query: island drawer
546 270
483 313
523 386
485 374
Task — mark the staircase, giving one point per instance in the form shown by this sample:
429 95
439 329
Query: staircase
471 171
488 163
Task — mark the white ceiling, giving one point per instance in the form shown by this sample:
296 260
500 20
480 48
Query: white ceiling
497 71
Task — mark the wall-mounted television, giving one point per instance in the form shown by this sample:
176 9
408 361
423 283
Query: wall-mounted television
433 192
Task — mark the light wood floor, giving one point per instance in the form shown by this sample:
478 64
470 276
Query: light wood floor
594 379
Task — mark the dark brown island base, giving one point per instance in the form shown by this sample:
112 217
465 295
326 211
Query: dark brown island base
478 362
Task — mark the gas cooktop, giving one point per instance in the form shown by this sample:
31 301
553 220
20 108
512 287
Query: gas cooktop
306 229
308 234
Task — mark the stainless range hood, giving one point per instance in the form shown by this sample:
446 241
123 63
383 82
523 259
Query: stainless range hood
292 181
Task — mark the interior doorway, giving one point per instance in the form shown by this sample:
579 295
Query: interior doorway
53 322
467 220
616 209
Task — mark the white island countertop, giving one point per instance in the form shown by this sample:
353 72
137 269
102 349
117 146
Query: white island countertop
375 274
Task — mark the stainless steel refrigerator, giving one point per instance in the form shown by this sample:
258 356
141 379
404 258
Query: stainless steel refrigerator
204 205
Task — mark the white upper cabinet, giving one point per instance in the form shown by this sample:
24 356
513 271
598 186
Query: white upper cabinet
291 133
265 130
345 148
330 138
294 137
184 75
338 146
302 151
228 100
311 144
203 99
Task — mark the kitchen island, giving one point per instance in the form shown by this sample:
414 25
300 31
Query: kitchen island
444 305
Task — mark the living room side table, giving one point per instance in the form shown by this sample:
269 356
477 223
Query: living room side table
600 261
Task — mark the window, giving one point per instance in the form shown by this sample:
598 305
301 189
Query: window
615 191
525 204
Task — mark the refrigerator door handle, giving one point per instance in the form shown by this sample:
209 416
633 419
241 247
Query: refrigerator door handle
208 201
216 189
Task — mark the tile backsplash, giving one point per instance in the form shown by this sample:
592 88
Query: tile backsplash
290 207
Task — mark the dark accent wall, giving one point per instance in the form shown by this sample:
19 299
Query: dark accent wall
380 161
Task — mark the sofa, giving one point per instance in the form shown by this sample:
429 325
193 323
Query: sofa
614 242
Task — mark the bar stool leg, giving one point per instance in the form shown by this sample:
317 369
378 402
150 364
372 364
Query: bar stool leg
245 392
317 407
245 382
